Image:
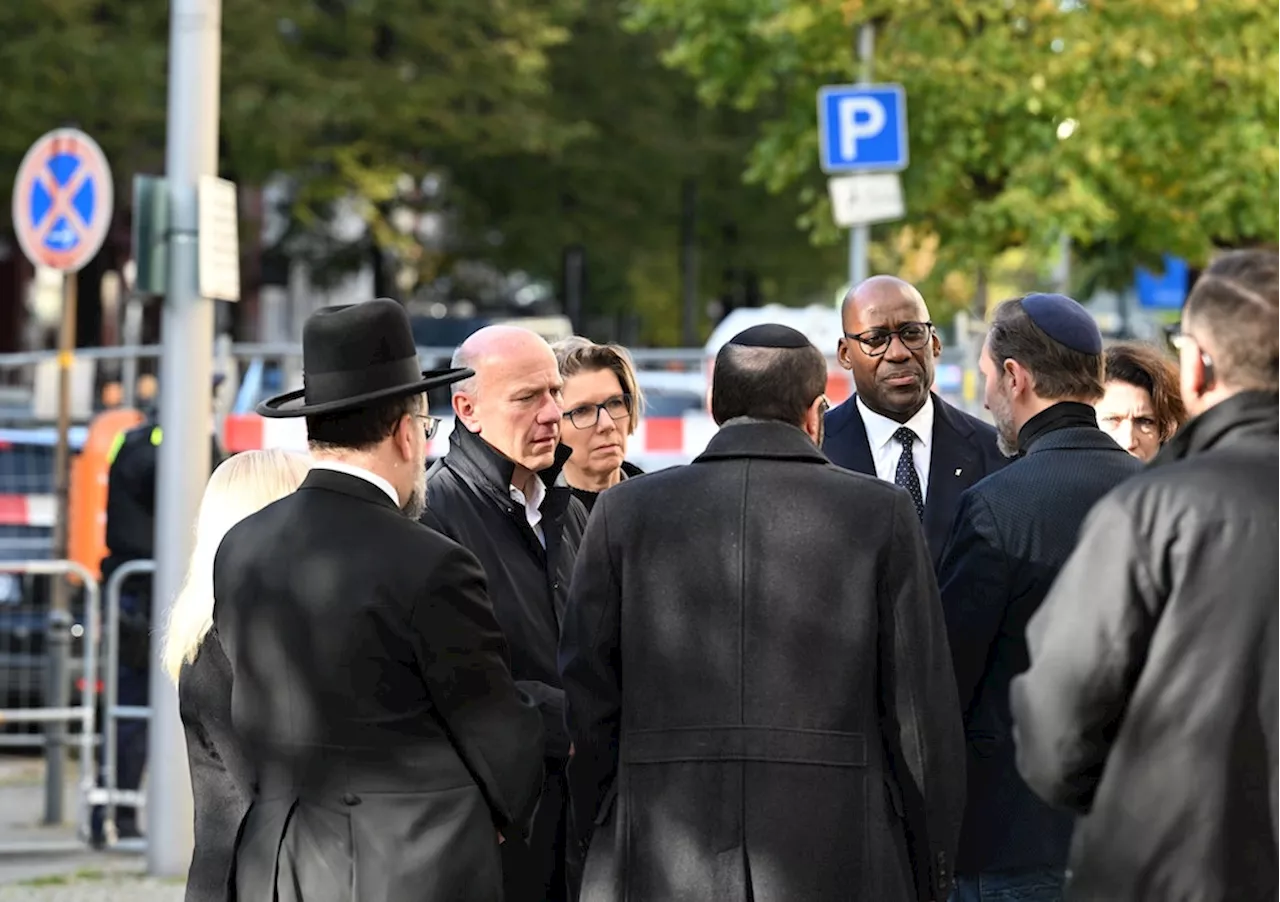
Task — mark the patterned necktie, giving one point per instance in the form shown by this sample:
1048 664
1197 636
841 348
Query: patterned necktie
906 475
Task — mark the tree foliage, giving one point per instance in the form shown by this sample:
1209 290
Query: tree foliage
1136 126
549 124
338 93
617 188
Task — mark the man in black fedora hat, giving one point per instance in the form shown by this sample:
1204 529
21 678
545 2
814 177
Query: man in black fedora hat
372 687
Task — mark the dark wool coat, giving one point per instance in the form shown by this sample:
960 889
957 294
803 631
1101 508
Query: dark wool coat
1014 531
371 691
758 684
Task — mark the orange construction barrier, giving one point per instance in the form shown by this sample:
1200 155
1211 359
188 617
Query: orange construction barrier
87 520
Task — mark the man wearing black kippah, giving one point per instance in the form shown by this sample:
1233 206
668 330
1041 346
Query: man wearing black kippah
895 427
755 667
1013 532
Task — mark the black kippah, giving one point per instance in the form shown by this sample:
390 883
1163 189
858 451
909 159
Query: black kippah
1065 321
770 335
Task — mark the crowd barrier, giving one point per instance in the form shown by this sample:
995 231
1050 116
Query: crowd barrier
49 677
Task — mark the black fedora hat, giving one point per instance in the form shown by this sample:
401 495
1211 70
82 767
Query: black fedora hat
355 354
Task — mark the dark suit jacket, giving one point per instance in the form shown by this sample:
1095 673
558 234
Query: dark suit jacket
1014 531
758 684
960 442
221 778
371 691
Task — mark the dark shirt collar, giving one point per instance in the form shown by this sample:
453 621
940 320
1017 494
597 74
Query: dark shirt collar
1063 415
1247 415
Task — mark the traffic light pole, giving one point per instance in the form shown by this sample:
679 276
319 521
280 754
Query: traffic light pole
186 367
860 236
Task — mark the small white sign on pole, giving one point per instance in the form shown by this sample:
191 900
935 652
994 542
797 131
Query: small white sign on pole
219 248
866 198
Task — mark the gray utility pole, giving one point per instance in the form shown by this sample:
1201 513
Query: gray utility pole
860 236
186 405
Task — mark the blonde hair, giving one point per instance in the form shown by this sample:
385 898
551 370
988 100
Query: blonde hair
240 486
581 355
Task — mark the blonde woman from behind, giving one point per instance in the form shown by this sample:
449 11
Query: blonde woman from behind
220 776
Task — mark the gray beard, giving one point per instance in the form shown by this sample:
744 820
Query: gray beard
1008 446
417 503
1006 435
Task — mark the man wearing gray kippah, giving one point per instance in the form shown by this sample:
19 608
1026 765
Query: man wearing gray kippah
1013 531
755 667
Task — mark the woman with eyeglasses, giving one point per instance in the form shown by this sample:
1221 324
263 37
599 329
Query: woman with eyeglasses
1142 407
601 402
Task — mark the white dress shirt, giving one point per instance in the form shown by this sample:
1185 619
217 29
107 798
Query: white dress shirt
532 506
885 449
361 473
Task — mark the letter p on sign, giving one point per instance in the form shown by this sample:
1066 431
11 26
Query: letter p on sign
860 118
862 128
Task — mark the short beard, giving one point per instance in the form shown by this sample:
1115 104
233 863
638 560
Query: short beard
1006 435
414 507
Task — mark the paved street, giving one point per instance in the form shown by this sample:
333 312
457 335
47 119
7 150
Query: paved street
63 876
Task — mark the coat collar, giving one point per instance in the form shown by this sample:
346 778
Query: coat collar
744 437
346 484
1073 438
484 465
1250 415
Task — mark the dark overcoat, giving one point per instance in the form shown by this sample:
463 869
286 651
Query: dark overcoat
221 777
372 692
1150 706
1013 532
964 451
759 686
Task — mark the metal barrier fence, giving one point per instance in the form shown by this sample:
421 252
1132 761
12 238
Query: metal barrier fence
38 666
109 794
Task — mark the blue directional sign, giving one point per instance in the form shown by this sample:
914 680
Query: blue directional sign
1163 291
62 200
862 128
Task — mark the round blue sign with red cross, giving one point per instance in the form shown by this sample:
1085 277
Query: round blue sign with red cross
62 200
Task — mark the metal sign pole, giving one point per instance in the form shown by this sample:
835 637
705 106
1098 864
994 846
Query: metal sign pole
186 369
59 637
860 235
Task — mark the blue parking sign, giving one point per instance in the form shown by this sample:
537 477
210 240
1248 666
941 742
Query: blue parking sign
862 128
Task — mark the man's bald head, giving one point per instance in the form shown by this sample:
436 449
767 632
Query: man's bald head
491 344
876 293
889 346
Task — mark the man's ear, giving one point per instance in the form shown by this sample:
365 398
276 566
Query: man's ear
1020 380
813 420
464 409
937 345
402 437
842 354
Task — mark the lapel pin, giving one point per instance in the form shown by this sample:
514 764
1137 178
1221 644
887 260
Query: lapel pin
958 470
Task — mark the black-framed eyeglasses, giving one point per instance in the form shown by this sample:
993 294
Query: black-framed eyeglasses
429 425
585 416
875 342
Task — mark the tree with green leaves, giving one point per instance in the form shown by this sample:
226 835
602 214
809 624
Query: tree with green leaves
619 189
342 95
1136 127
